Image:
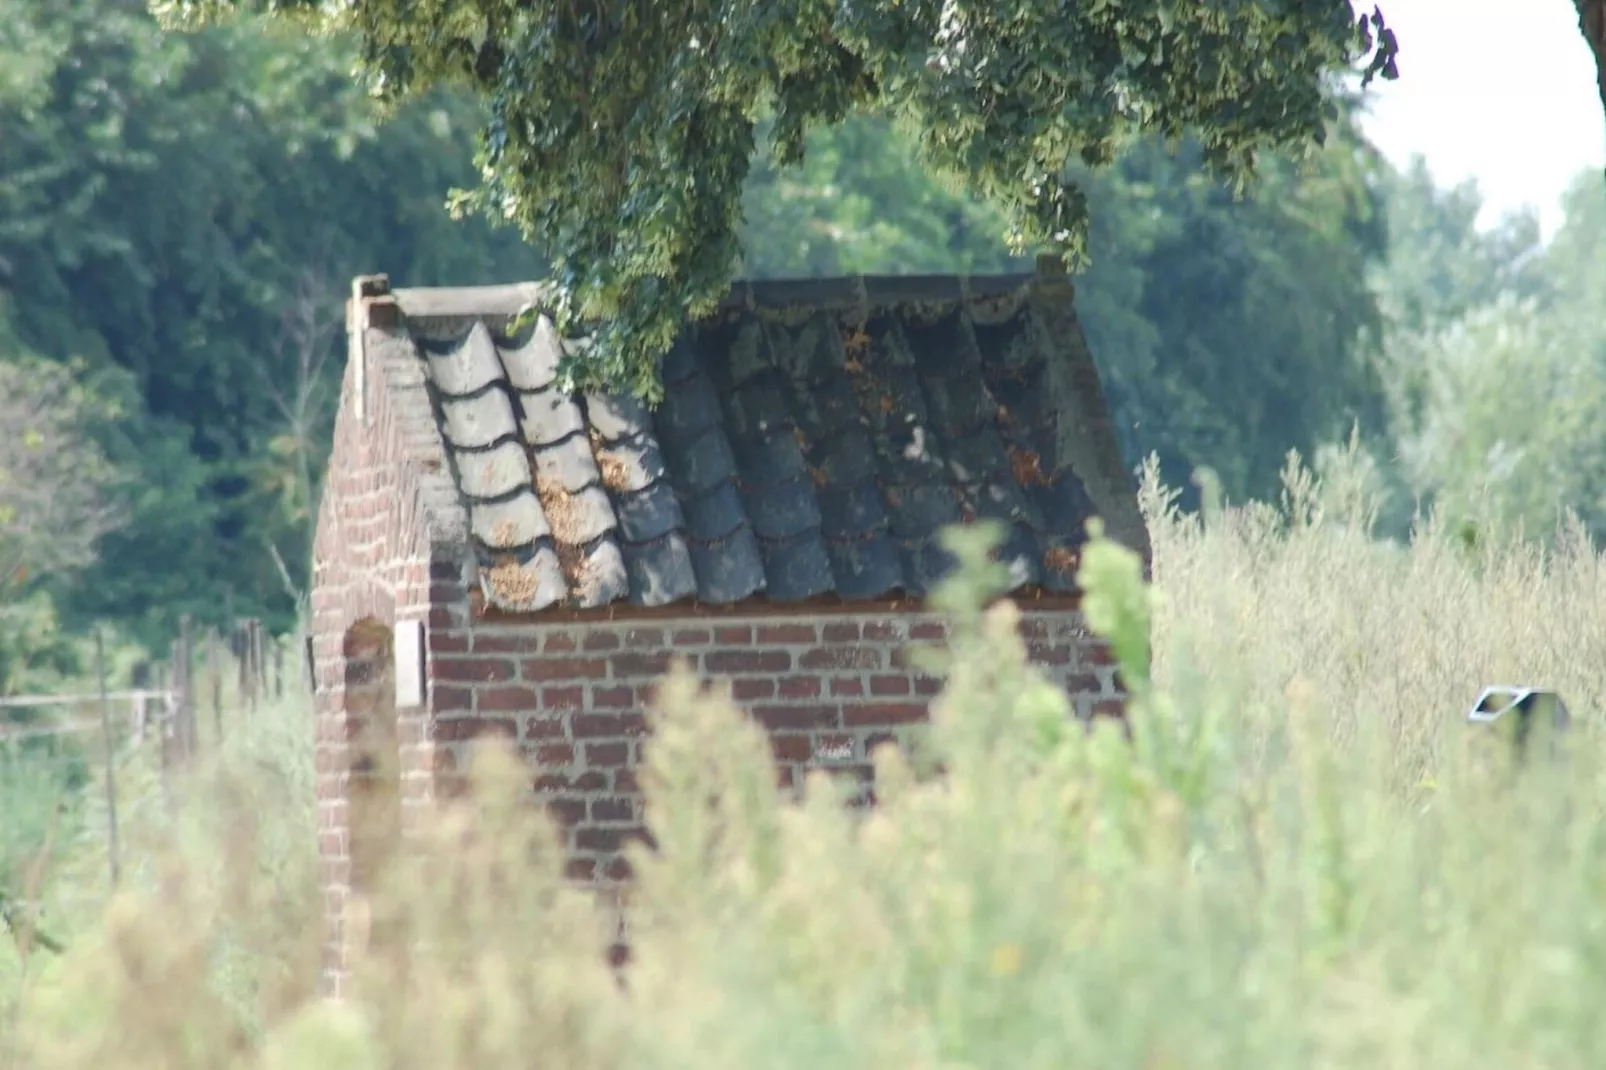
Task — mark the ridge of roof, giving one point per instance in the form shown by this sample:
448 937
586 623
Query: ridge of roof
498 300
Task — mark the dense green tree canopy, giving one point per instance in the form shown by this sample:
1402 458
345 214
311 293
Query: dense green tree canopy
179 213
620 133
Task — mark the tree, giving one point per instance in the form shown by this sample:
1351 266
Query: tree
54 479
1495 357
1440 265
1592 23
57 501
162 197
620 133
1230 329
1503 427
860 203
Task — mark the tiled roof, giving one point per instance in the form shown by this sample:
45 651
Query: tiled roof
813 439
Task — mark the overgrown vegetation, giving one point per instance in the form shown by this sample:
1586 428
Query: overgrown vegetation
1303 858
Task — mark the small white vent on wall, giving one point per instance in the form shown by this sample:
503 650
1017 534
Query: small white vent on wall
409 664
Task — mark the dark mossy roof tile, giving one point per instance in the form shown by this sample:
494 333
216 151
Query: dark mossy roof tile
797 567
728 569
660 570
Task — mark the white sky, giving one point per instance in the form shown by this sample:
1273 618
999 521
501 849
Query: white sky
1486 93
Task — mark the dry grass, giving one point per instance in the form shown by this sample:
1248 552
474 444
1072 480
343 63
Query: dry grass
1296 864
1263 605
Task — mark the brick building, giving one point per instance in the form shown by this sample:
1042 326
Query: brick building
496 557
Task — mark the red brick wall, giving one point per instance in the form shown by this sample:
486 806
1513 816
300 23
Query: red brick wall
827 686
372 563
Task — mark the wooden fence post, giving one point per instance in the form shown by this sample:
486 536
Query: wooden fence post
253 667
164 727
183 677
259 666
278 670
309 668
111 759
214 670
237 647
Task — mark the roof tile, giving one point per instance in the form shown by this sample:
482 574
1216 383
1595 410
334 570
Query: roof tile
533 582
865 567
701 463
649 514
567 465
851 511
782 510
630 466
510 524
714 514
532 363
615 418
800 449
727 570
479 421
550 416
660 571
492 473
468 367
597 575
796 568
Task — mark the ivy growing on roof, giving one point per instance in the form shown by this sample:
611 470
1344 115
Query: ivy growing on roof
619 133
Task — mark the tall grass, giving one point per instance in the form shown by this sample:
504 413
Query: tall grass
1302 858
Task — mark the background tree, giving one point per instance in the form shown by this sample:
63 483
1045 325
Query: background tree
1231 328
620 133
161 199
1495 357
54 479
56 502
1592 22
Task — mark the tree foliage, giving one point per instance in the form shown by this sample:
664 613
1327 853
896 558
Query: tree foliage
1232 328
164 200
179 214
620 133
1495 357
54 478
1592 23
58 498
